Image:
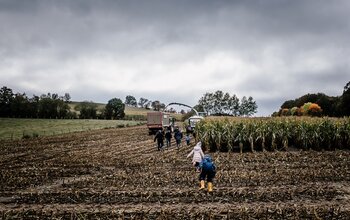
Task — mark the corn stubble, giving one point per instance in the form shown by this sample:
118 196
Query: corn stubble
119 174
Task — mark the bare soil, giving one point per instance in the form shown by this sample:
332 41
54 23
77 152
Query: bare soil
119 174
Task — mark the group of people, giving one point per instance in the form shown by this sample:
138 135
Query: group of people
203 163
167 135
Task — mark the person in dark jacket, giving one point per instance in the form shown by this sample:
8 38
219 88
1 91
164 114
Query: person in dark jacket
208 171
168 137
160 139
178 137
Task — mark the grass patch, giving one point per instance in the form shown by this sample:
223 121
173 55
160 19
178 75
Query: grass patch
16 128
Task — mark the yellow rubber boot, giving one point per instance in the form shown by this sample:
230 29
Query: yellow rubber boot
202 184
210 187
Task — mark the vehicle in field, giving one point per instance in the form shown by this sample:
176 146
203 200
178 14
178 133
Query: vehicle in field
158 121
193 120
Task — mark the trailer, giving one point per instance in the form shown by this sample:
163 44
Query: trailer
158 121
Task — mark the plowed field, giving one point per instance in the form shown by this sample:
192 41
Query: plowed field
119 174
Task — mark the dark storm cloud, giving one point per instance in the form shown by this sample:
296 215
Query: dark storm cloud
272 50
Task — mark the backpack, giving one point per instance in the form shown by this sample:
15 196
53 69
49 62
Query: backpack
208 164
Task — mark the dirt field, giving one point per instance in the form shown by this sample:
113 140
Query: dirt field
119 174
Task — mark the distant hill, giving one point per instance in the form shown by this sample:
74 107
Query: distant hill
129 110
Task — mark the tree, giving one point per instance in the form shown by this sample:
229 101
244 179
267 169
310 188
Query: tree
315 110
52 106
148 104
199 108
63 109
329 104
6 97
207 102
130 101
288 104
157 105
248 106
47 107
66 97
20 106
295 111
34 106
88 110
142 102
285 112
233 105
220 103
115 109
345 100
311 109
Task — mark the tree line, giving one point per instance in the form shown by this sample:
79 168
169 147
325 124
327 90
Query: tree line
216 103
318 104
54 106
19 105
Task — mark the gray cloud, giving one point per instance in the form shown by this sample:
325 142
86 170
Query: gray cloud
175 50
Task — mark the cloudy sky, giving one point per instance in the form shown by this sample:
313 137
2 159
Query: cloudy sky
175 51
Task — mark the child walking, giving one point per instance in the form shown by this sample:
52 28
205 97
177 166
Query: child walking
188 139
208 171
197 155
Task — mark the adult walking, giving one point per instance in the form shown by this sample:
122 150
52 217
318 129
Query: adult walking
160 139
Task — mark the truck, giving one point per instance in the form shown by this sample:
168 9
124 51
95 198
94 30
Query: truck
193 120
158 121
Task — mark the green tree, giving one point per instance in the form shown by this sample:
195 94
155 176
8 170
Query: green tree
142 102
20 106
47 107
115 109
288 104
207 102
199 108
157 105
345 100
66 97
52 106
130 101
233 105
63 109
34 106
220 103
88 110
248 106
6 98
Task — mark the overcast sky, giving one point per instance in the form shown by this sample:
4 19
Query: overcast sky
176 51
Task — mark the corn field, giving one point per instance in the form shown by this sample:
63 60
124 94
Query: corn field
120 174
251 134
